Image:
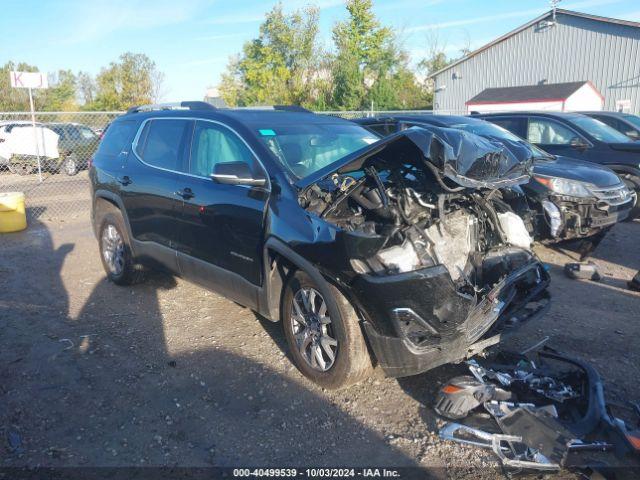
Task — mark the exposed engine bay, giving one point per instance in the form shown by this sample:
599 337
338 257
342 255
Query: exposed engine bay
400 213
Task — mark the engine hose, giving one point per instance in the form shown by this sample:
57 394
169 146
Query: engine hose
438 178
493 215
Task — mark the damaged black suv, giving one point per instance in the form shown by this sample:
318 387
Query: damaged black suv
397 252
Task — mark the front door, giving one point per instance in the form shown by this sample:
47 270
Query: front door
221 227
555 138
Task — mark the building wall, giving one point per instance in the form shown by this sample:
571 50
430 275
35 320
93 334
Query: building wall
584 99
574 49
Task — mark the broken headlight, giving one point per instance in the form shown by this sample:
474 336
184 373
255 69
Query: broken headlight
564 186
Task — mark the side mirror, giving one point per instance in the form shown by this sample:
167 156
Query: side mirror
236 173
578 143
633 134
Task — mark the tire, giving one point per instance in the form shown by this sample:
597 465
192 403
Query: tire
120 266
70 165
634 184
351 361
20 168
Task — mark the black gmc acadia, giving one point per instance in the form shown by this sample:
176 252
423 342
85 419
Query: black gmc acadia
397 252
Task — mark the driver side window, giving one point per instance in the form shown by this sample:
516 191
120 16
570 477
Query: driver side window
213 144
548 132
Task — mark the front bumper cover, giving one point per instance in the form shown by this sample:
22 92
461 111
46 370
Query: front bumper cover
457 326
586 217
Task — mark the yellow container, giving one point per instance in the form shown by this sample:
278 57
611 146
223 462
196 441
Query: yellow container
12 213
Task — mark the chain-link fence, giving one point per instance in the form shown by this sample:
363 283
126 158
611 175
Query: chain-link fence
49 162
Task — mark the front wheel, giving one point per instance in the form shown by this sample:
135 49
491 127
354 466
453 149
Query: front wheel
326 343
70 165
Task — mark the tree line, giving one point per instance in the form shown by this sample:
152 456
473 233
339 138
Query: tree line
367 66
131 80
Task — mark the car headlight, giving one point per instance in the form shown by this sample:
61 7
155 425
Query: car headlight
564 186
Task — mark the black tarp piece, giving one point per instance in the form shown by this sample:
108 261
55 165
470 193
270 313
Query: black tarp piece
464 158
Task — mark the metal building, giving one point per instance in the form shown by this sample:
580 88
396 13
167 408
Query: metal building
557 47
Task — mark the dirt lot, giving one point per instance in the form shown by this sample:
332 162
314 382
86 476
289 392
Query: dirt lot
166 373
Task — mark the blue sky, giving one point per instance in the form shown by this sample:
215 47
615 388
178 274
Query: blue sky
191 40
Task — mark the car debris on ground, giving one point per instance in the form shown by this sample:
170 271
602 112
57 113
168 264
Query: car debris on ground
582 271
539 411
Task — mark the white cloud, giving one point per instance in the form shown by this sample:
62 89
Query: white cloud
253 17
506 15
632 16
96 19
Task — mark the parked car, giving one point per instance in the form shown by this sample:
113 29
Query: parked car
366 250
77 144
623 122
22 144
571 198
577 136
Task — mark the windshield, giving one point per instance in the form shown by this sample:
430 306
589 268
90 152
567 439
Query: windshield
599 130
305 149
633 120
487 129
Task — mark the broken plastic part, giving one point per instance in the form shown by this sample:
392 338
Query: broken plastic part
530 459
463 394
582 271
553 216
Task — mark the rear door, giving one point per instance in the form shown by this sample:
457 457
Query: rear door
149 184
221 226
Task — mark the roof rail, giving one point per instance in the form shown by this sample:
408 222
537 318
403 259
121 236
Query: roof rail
291 108
193 105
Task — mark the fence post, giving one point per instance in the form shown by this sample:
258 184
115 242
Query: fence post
35 134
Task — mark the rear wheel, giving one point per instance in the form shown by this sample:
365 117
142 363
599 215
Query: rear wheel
326 344
20 166
115 251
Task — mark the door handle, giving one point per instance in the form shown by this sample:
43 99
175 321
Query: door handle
124 181
185 193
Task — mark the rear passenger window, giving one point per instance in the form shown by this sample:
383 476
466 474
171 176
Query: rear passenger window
116 138
213 144
514 125
161 142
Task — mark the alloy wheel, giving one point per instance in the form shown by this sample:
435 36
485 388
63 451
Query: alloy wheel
113 249
313 330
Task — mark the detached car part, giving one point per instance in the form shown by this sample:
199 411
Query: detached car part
508 448
582 271
463 394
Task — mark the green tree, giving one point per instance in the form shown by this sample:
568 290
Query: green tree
14 99
61 94
370 67
282 66
132 80
86 86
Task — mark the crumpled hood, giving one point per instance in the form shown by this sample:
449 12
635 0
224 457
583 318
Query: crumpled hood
464 158
578 170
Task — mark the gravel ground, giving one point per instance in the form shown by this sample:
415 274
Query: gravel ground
166 373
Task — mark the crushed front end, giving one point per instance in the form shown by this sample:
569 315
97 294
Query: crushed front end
436 261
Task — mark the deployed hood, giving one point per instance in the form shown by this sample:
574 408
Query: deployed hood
464 158
578 170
